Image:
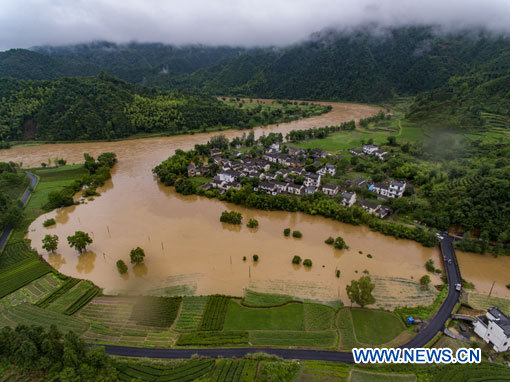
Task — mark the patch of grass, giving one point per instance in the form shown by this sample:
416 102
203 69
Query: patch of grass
214 313
364 376
345 326
256 299
482 302
28 314
50 179
318 317
376 326
156 311
322 339
58 292
325 371
213 338
287 317
191 313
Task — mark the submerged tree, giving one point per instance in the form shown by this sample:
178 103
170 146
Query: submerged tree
50 243
79 240
137 255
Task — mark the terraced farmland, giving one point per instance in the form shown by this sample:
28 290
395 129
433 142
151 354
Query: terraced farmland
74 298
110 320
28 314
156 311
213 338
325 339
215 313
33 292
21 274
229 370
191 313
187 371
14 254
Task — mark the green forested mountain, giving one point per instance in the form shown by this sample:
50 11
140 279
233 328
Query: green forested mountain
105 107
460 78
28 65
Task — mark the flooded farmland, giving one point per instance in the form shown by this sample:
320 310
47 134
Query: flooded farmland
188 251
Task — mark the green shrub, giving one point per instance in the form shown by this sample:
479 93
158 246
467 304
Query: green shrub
297 234
122 267
338 273
252 223
424 282
429 265
244 258
370 256
231 217
307 263
286 231
329 240
340 243
296 260
49 222
255 258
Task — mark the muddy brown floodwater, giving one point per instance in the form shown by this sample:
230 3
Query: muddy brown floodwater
188 251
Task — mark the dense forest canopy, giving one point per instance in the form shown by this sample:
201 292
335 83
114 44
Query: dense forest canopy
105 107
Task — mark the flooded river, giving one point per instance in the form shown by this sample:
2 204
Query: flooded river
188 250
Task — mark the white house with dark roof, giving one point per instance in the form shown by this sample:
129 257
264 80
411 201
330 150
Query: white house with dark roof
281 186
296 189
396 189
369 206
330 189
379 189
227 176
328 168
494 328
310 190
370 149
348 198
312 179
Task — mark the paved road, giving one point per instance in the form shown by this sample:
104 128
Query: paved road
421 339
24 198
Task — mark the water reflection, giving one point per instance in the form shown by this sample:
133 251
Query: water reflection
140 270
56 260
86 262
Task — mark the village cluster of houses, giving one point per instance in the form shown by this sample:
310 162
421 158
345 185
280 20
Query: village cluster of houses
370 150
231 171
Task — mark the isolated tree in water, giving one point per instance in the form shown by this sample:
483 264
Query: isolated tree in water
360 291
137 255
79 240
50 243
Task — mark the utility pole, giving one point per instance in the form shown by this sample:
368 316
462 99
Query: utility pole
494 282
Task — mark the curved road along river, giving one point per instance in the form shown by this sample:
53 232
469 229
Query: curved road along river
420 340
24 198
